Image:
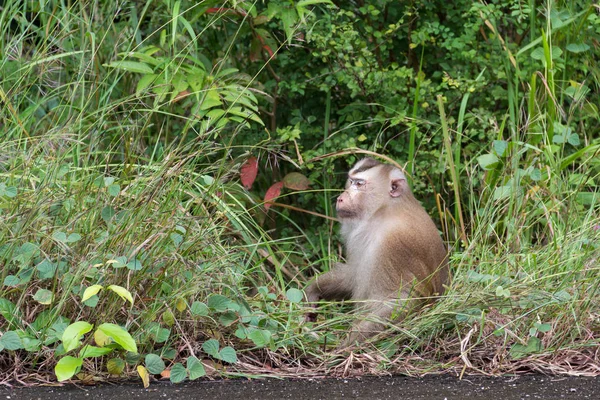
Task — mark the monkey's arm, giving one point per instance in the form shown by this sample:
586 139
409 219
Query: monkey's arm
333 285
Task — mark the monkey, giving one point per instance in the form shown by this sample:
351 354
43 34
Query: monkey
396 260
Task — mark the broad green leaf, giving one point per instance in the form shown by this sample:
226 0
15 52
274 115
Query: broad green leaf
228 318
134 265
43 296
260 337
114 190
488 161
500 147
218 302
577 47
294 295
46 269
92 351
122 292
144 82
8 310
211 99
195 368
118 262
131 66
228 355
67 367
8 191
91 291
154 364
71 335
168 318
59 236
200 309
534 345
502 192
211 347
119 335
11 280
178 373
73 237
115 366
107 214
10 340
31 344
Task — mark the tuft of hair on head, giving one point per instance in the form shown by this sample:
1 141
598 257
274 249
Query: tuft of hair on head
364 165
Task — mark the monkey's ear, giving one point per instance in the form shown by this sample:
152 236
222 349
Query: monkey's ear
398 183
397 187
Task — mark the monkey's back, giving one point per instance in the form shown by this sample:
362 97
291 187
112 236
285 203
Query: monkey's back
412 252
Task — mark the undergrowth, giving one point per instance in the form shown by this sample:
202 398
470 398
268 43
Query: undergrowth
132 241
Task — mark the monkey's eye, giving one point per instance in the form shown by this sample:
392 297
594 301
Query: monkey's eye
359 182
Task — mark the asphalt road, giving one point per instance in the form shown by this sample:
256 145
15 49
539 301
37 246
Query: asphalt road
442 387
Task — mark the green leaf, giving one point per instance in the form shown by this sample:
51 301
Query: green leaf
74 237
488 161
71 335
122 292
154 364
502 192
200 309
211 347
535 174
8 191
115 366
195 368
211 99
46 269
43 296
219 302
10 340
178 373
134 265
107 214
294 295
228 355
119 335
534 345
573 139
144 82
260 337
114 190
501 292
8 310
131 66
11 281
91 291
500 147
67 367
59 236
92 351
577 47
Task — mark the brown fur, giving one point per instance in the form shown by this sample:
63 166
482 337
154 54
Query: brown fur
394 250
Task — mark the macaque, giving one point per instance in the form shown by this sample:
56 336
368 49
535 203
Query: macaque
396 260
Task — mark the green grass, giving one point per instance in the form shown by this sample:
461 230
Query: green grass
105 182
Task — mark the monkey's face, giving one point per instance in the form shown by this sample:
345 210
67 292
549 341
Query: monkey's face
370 186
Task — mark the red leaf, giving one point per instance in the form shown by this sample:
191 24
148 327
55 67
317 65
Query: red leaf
273 192
296 181
248 172
268 49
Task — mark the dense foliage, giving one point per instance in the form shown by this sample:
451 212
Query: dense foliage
140 140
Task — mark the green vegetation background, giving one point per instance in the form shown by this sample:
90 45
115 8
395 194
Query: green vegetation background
139 140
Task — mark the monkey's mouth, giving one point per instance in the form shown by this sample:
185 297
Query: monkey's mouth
345 214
